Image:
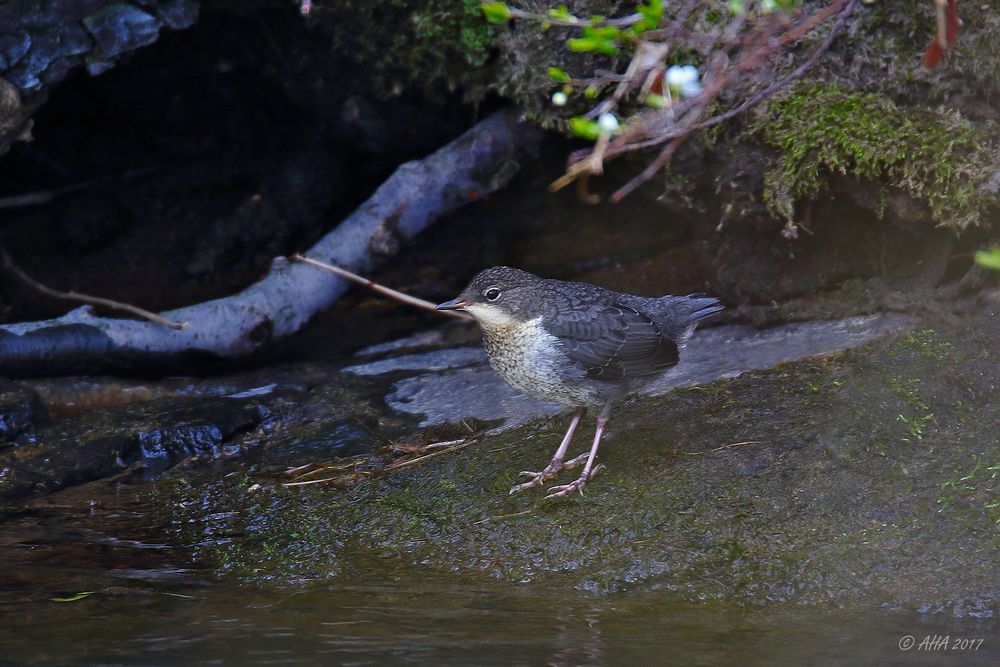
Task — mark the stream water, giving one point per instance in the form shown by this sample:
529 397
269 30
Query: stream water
146 604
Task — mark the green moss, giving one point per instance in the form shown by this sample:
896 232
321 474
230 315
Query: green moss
926 342
442 26
936 157
976 488
405 43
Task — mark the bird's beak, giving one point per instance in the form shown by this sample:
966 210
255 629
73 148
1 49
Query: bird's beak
458 303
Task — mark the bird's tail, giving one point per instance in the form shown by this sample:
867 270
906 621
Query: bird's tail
701 306
685 312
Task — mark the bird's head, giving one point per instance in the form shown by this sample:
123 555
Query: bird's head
499 297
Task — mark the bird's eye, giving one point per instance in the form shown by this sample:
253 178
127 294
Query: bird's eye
492 294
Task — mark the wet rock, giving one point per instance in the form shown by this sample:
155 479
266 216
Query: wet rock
21 410
156 434
118 28
724 492
12 48
40 43
328 420
469 392
51 54
440 395
424 361
177 14
432 338
10 104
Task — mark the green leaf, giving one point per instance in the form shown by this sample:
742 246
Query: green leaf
583 44
989 258
656 101
495 12
557 74
737 7
590 92
584 128
788 5
561 12
651 16
653 11
607 32
73 598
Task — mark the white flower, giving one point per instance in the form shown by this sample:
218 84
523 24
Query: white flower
607 122
683 80
691 89
559 98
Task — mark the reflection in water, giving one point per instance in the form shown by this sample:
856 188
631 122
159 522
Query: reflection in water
387 615
149 605
576 643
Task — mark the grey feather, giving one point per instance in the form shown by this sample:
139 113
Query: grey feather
577 343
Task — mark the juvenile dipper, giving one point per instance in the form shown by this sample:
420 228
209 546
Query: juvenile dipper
577 344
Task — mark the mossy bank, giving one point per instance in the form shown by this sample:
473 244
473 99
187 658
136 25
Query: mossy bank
866 478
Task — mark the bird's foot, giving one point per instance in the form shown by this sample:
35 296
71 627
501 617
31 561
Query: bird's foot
564 490
538 478
576 462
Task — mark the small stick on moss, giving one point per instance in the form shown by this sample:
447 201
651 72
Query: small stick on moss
719 449
499 517
381 289
13 269
420 459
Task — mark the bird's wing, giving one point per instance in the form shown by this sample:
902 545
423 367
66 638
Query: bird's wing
613 342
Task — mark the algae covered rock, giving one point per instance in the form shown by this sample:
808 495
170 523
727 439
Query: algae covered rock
858 479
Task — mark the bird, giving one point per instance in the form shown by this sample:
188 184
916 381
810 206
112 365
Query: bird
577 344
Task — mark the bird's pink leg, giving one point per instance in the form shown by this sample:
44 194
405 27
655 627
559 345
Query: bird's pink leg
588 469
556 464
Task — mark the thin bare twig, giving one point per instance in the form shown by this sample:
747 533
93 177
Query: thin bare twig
300 478
573 21
381 289
686 118
406 463
651 168
798 72
8 264
500 517
46 196
719 449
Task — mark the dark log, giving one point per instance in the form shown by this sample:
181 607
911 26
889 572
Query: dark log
282 302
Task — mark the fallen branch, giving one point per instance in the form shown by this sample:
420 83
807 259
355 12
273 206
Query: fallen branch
382 289
16 271
282 302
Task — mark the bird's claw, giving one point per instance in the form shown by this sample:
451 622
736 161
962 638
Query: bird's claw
539 478
535 479
564 490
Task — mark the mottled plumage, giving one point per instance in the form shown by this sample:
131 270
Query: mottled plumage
576 343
